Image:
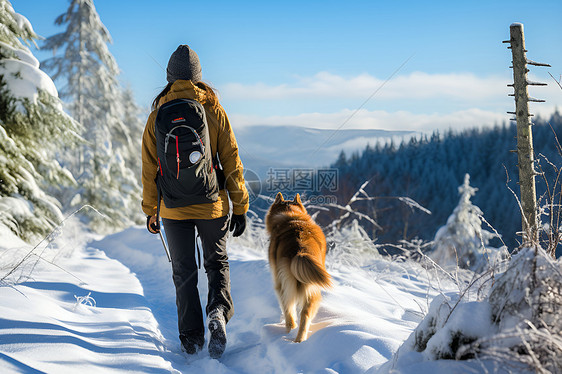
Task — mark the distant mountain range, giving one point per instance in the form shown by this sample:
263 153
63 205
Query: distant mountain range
265 147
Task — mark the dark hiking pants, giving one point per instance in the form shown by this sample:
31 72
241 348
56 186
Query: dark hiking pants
181 240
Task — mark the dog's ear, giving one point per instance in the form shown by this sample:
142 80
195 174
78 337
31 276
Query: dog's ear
297 199
278 198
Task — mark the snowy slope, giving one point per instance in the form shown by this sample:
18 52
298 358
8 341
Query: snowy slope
363 320
44 327
264 147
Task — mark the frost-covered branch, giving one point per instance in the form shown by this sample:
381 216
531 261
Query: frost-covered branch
414 204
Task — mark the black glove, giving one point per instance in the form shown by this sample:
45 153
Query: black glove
238 224
154 228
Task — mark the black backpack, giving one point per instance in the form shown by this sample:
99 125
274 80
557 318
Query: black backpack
186 171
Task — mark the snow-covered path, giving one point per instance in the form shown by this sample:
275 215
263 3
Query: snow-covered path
132 327
359 326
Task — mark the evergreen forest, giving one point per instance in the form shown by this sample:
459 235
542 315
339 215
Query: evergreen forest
429 169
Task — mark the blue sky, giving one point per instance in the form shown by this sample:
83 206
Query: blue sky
314 63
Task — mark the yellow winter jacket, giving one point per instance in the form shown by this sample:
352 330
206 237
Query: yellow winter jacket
222 141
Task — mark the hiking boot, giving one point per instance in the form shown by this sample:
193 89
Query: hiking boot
217 328
191 344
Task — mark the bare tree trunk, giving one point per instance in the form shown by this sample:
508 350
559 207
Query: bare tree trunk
525 152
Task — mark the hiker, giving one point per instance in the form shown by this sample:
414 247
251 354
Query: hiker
208 213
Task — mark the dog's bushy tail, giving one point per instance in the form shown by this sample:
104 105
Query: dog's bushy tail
307 269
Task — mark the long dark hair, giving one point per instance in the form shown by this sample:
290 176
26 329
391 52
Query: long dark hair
210 95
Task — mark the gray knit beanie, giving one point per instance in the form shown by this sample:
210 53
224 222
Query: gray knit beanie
184 64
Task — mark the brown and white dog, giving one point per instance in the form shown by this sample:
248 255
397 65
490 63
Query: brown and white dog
297 255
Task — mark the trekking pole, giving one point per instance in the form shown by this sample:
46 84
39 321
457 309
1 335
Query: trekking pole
164 244
159 223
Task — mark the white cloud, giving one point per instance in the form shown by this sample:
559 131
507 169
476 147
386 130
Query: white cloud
415 85
417 101
364 119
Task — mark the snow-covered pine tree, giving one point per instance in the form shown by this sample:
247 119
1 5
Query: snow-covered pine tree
126 165
88 73
33 127
463 241
131 137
